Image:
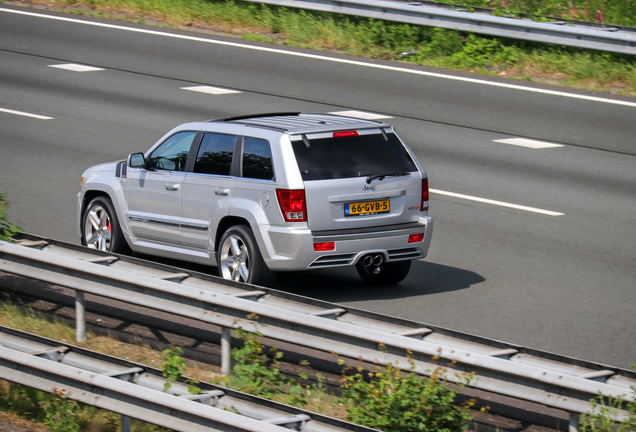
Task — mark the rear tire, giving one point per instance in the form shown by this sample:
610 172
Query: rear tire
384 274
239 258
101 229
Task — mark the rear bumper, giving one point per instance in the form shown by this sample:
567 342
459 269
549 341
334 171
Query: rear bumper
292 250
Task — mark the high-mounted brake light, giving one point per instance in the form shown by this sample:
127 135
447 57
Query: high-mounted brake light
424 205
293 205
343 134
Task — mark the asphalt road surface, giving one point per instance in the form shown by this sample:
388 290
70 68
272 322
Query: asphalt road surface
533 187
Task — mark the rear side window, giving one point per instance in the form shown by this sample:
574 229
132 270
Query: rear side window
351 156
257 159
215 154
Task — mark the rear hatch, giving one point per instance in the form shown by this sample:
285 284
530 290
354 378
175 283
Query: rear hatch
358 179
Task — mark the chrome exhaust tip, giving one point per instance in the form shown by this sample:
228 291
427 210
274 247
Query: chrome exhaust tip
373 260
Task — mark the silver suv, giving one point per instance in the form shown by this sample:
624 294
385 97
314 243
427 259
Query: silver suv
259 194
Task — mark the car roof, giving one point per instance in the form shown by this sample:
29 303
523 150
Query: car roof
304 122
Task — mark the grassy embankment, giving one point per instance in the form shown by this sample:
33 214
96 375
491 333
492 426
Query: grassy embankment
584 69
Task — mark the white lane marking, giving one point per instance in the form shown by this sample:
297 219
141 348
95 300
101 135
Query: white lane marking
361 114
533 144
497 203
25 114
76 67
210 90
331 59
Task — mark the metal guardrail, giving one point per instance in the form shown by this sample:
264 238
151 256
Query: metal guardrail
136 391
611 38
514 371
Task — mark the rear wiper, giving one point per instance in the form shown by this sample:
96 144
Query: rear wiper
381 176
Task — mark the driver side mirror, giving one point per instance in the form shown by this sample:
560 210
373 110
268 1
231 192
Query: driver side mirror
136 160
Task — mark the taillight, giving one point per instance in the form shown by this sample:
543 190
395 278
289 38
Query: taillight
414 238
424 205
292 204
327 246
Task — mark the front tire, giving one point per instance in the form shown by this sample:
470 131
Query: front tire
100 227
385 273
239 258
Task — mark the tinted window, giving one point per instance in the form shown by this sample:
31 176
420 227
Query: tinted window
257 159
172 153
215 154
354 156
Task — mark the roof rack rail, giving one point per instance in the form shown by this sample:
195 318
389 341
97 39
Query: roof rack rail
273 114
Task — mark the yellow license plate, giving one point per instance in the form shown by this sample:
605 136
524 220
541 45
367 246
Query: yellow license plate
367 208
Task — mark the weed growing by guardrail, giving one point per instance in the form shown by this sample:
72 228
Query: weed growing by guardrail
602 417
388 398
173 369
394 400
7 230
258 372
61 414
55 410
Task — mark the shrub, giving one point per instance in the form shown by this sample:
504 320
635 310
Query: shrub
603 415
394 400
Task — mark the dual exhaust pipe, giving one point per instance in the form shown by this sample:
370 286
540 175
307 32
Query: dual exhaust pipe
373 260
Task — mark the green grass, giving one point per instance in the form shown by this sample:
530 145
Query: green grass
433 47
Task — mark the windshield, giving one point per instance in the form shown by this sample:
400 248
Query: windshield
352 156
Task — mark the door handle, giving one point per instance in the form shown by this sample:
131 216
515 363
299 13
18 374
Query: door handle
221 191
172 186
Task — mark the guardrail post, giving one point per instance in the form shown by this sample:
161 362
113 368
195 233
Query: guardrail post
574 422
226 348
125 423
80 316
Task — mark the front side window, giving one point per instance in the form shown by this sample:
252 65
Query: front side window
172 153
215 154
257 159
352 156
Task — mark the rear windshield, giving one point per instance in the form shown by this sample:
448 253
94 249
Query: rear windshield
353 156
